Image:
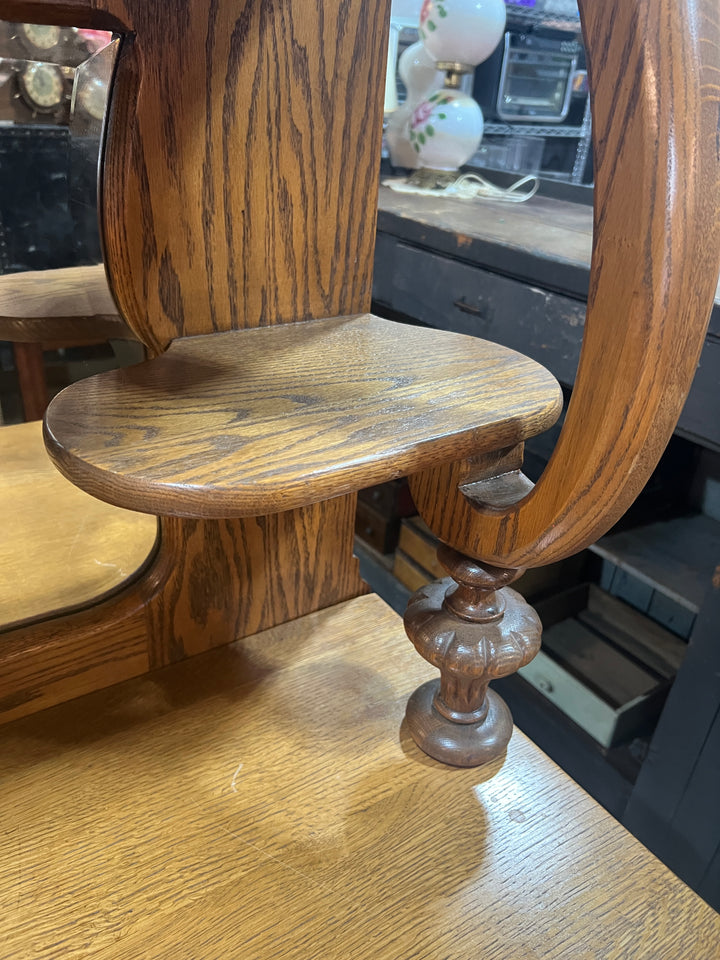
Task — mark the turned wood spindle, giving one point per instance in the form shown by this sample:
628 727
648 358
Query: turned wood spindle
474 629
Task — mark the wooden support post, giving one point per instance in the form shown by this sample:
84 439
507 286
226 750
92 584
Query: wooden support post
31 379
475 629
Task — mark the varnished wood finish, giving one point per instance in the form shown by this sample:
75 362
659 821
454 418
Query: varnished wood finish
60 548
28 359
209 583
238 189
656 256
64 307
255 421
474 629
223 579
239 180
265 800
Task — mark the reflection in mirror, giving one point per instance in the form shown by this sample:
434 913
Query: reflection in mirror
58 322
54 85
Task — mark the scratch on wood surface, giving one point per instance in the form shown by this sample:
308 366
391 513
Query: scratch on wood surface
235 776
113 566
78 533
263 853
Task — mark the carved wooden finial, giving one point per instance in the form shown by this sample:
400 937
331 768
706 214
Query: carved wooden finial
474 629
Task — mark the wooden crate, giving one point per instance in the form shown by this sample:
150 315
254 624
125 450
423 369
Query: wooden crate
376 529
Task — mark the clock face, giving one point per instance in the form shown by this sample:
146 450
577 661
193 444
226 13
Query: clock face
42 86
91 97
40 37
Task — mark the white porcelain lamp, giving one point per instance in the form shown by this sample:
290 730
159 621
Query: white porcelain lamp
420 75
446 128
461 31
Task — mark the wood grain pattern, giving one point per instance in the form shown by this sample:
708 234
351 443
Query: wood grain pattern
238 189
223 579
59 548
209 583
28 358
656 256
239 180
257 421
265 800
65 306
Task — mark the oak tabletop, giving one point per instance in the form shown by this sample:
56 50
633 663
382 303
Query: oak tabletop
265 800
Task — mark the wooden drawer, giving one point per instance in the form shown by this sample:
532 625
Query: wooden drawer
375 529
391 499
608 672
457 296
576 701
408 573
452 295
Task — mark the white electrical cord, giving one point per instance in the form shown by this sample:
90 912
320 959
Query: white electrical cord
469 186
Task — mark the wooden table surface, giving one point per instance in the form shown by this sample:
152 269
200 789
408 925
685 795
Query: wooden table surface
63 306
548 230
265 801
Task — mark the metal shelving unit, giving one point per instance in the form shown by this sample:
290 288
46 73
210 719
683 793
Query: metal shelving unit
525 130
545 17
569 23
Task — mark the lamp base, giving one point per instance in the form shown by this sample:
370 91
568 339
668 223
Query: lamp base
427 179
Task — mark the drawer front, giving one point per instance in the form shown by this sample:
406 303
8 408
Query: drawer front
390 499
445 293
588 710
455 296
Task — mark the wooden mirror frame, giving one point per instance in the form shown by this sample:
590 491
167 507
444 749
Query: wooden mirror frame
655 264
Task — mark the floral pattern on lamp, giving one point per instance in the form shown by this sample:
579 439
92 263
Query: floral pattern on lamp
445 130
426 22
418 72
462 31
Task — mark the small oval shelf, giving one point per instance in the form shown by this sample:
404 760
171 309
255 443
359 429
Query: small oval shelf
270 419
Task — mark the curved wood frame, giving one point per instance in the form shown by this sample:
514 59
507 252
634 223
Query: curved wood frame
308 254
655 263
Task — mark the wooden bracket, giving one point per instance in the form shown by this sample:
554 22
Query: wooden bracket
474 628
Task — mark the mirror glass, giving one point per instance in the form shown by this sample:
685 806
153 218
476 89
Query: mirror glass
59 548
